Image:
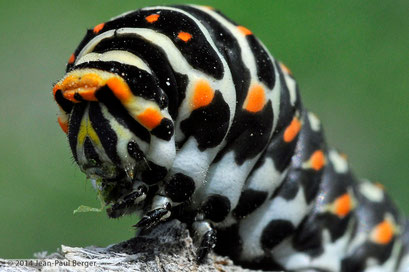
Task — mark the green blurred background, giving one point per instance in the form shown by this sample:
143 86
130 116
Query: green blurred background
350 58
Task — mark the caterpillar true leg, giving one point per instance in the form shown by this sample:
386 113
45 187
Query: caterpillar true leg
204 237
161 210
128 202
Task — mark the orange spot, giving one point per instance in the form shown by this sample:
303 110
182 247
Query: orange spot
292 130
343 205
63 125
120 89
98 28
317 160
244 30
150 118
72 59
152 18
184 36
285 69
383 232
256 99
203 94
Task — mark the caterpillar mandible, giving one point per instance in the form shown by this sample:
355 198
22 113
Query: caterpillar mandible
178 112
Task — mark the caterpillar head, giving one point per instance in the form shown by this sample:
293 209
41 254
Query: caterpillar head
116 119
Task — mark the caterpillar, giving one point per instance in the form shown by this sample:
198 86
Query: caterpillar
179 112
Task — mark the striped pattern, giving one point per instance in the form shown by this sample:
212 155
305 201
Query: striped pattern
166 106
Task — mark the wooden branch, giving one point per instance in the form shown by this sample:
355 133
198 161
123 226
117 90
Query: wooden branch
165 248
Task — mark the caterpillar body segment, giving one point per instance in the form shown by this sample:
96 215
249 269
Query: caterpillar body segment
180 112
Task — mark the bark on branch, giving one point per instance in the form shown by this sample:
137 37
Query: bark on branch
165 248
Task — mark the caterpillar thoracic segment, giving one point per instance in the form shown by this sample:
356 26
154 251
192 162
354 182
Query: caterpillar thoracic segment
180 112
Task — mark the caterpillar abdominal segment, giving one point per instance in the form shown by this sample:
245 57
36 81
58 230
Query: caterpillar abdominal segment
179 112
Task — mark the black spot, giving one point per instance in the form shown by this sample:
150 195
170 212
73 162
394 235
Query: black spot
310 181
182 81
229 242
121 115
216 208
154 173
249 134
308 237
208 124
90 153
281 152
337 226
105 133
265 68
248 202
134 151
275 232
74 126
65 104
164 130
180 187
352 264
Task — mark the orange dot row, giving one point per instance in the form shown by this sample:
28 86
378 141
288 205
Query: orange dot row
382 233
184 36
